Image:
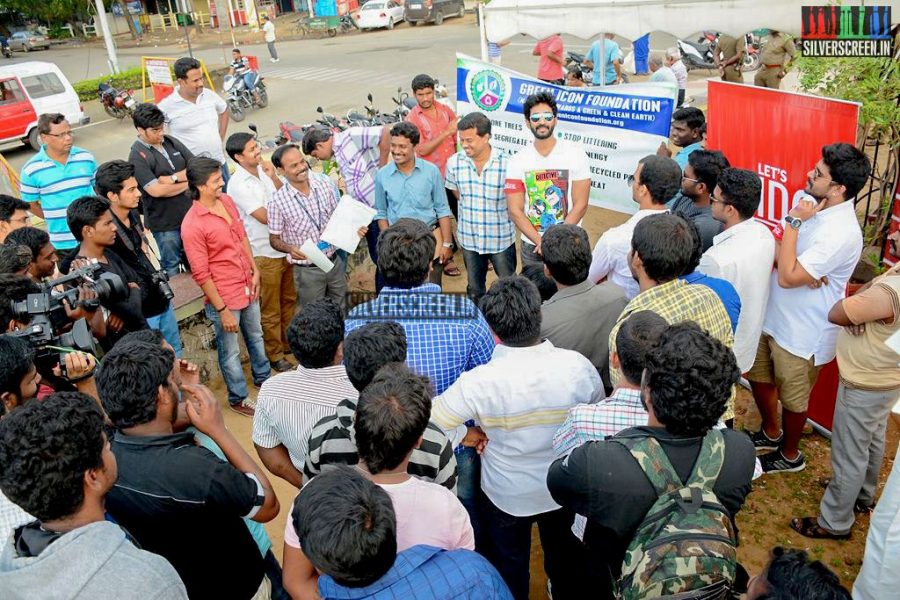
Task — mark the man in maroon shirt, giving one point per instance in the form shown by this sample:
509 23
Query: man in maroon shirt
436 123
222 265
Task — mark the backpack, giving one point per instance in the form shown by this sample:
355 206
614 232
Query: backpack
686 542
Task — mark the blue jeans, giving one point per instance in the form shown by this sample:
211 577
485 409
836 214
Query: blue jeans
250 81
468 486
167 324
229 350
476 268
171 250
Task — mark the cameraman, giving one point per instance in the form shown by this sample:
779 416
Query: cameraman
91 222
22 376
43 253
115 181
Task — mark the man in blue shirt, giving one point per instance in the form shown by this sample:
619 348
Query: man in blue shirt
446 334
685 133
54 177
411 187
613 61
341 514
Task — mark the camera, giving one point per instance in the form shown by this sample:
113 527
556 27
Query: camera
161 280
46 313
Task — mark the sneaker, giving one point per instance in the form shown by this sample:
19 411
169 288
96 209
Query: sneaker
275 60
763 442
282 365
775 462
246 407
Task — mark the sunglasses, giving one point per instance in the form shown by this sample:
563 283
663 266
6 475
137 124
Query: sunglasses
538 117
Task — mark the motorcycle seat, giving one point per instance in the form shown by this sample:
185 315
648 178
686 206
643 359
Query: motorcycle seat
104 87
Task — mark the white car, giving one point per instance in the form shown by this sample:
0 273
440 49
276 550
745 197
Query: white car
380 13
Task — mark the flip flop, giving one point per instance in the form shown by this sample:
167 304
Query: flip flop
809 527
451 269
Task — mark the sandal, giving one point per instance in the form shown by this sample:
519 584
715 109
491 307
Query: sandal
809 527
451 269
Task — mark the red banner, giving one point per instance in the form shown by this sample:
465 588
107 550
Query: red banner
778 135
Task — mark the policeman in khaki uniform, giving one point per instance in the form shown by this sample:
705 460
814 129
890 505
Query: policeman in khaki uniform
774 66
729 56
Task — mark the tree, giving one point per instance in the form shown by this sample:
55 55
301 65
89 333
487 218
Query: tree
51 11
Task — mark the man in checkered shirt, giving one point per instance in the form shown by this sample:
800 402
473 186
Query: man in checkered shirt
298 212
477 177
624 408
359 153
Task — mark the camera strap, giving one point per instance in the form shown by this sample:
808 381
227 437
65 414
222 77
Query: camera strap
126 239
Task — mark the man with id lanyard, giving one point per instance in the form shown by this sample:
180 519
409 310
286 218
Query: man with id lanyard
298 212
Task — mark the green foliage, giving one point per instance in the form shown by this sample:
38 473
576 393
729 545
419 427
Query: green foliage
56 32
52 11
874 82
87 89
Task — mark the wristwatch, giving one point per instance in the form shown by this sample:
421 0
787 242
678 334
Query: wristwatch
174 177
794 222
447 245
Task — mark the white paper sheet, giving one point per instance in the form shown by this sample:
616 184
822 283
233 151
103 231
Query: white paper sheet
347 218
316 256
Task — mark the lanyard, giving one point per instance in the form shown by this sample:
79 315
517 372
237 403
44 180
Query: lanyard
320 222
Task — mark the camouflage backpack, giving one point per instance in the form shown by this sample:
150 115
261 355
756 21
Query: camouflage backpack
686 542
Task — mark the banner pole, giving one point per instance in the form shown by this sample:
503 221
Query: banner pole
482 30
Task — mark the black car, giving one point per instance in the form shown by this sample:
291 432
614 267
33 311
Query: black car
422 11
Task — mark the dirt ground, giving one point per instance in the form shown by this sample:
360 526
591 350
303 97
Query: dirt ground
763 522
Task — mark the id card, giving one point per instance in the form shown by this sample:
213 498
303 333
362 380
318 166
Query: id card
323 246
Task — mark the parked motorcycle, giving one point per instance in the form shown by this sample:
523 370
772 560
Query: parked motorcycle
267 145
116 103
375 116
348 23
239 97
699 54
331 121
751 60
574 59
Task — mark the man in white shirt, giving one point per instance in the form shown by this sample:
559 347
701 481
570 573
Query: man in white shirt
519 399
196 117
742 254
654 182
821 242
673 61
251 187
548 182
269 33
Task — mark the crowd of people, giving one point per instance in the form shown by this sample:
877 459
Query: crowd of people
592 394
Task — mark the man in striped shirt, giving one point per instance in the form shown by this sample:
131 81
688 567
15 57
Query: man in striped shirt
333 440
289 404
54 177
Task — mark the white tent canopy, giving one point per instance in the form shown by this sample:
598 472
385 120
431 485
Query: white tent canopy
633 18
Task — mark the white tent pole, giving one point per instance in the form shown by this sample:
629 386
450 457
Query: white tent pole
482 30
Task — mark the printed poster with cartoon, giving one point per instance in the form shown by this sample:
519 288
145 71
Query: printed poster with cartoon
546 194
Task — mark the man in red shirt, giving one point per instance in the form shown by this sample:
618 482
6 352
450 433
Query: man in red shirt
553 57
222 265
437 129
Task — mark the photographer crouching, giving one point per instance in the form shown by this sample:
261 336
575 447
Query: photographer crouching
116 182
62 349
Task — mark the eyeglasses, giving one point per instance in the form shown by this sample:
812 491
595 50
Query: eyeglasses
538 117
690 179
715 199
64 134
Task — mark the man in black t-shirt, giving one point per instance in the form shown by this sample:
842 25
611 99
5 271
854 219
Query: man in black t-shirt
115 181
159 166
686 385
176 498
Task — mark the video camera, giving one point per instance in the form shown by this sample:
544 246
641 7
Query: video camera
46 314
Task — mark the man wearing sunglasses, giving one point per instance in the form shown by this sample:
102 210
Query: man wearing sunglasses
54 177
697 183
820 244
547 182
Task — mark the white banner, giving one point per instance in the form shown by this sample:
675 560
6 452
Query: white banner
616 125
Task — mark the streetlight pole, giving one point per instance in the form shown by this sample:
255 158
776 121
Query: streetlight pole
112 59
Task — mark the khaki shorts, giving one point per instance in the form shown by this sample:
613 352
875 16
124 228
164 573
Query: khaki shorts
793 376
